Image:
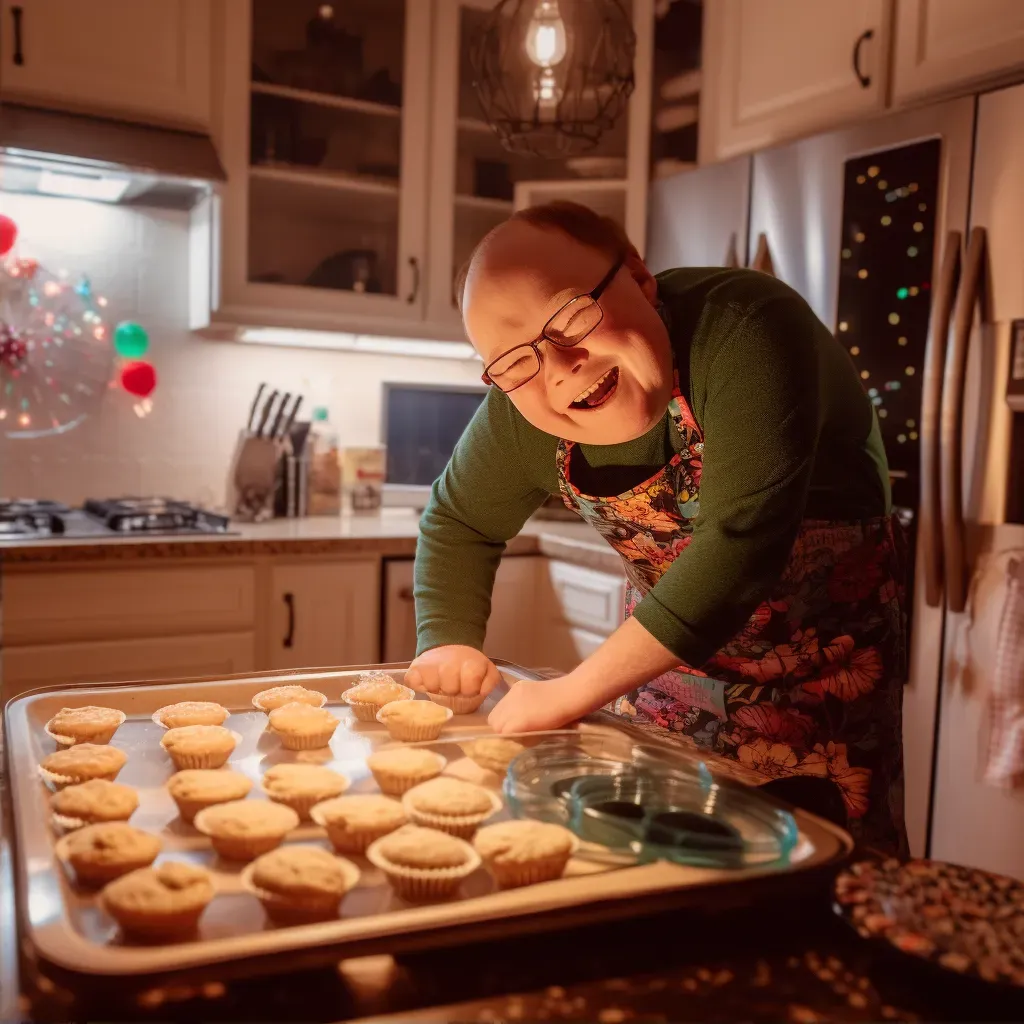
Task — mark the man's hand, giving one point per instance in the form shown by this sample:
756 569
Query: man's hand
453 670
535 705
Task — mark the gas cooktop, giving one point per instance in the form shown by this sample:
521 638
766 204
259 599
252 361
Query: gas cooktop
28 519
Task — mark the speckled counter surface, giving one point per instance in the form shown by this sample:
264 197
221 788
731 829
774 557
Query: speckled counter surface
391 534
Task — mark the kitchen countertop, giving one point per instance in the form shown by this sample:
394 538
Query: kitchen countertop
391 533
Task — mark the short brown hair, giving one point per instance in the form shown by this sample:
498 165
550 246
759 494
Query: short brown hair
573 219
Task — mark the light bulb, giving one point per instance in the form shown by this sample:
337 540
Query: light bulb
545 35
546 91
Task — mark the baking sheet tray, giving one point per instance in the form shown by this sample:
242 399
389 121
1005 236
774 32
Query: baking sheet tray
68 931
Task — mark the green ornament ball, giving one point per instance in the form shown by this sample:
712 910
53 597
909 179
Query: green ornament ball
130 340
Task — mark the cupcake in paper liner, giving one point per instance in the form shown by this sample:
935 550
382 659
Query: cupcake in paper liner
371 692
89 724
492 753
277 696
200 746
459 704
299 884
355 821
414 721
451 805
92 802
100 853
524 852
190 712
398 769
195 789
422 863
300 726
80 763
301 786
244 829
162 902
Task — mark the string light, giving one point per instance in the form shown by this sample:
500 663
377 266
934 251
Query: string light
859 236
914 289
855 350
913 435
886 220
901 340
883 184
872 172
861 179
894 318
902 293
882 413
864 374
843 325
847 253
918 226
862 273
912 250
910 371
902 438
922 207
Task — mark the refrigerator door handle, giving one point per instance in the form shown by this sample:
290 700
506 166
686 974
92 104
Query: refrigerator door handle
934 361
952 420
762 260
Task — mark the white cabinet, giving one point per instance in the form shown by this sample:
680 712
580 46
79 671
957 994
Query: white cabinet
777 70
943 46
323 615
143 61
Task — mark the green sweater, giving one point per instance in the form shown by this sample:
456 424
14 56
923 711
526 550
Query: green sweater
788 435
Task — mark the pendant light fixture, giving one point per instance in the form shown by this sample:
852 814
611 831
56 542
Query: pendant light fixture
553 76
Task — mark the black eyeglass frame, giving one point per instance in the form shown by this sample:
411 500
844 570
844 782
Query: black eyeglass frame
594 294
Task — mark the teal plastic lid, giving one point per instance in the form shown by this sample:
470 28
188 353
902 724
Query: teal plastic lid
320 413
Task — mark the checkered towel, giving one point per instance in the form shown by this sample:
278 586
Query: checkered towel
1004 760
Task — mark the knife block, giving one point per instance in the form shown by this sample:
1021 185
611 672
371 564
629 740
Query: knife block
254 478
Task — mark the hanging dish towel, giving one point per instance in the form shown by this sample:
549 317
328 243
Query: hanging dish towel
1004 761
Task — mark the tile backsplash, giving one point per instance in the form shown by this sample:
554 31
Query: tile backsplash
138 259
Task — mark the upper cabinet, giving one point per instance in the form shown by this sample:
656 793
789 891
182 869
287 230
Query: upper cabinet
138 60
944 46
786 68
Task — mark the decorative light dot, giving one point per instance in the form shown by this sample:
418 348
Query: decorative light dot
861 179
914 289
855 350
859 236
843 325
901 340
902 293
876 401
891 197
882 413
902 438
864 374
913 435
894 318
886 221
51 288
892 385
918 226
922 207
24 419
872 172
862 273
847 253
911 423
101 301
912 250
912 186
99 333
883 184
910 371
872 392
3 414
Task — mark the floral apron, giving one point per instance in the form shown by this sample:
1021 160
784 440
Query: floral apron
812 684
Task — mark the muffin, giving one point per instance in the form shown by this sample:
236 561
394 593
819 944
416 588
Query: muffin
300 786
524 852
300 883
459 703
301 726
82 762
87 803
100 853
190 712
353 822
493 753
400 768
371 692
89 724
422 863
199 746
159 903
243 829
414 720
277 696
450 805
197 788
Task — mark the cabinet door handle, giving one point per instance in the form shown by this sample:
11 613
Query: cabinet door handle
289 601
405 594
19 56
865 80
415 265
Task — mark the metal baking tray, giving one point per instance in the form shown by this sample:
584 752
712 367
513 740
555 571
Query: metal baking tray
70 936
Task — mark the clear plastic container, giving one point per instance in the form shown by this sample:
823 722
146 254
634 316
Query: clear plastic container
324 494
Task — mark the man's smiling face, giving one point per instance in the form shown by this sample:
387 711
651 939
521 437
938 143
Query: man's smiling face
612 386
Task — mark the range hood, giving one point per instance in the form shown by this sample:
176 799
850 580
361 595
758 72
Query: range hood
57 153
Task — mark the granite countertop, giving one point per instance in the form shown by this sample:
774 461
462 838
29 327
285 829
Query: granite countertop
391 533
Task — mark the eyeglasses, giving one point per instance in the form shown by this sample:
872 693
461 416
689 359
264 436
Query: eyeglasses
566 329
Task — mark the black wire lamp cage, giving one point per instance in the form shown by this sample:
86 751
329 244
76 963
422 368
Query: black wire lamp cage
552 76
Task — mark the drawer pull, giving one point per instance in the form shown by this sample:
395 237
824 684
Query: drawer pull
289 601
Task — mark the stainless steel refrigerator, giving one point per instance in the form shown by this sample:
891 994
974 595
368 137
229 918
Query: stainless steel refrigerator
906 236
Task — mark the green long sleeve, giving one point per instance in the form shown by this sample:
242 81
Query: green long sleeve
788 432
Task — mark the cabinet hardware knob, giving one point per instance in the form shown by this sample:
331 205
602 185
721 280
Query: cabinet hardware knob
865 80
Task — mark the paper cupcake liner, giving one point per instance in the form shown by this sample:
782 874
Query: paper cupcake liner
309 741
259 707
462 826
302 804
345 841
203 759
189 808
394 784
163 725
418 884
412 732
99 736
242 849
459 705
300 909
366 711
69 823
151 925
94 875
510 876
61 781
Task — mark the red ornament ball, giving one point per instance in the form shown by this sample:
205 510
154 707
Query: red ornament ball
138 379
8 234
13 348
